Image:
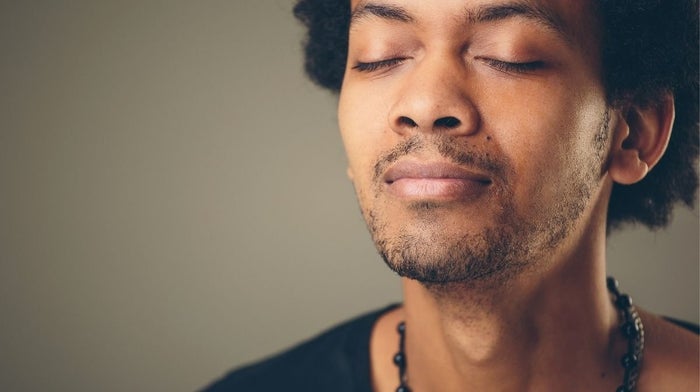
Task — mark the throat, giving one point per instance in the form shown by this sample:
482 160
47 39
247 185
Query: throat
471 349
511 346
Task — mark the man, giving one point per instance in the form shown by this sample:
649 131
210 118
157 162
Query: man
493 144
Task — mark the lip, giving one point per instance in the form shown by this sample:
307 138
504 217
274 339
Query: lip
436 180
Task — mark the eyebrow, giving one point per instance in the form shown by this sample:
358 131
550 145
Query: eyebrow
499 12
482 14
383 11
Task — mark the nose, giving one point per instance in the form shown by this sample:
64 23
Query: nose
434 98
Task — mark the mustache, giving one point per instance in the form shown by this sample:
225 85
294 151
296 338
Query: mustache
448 147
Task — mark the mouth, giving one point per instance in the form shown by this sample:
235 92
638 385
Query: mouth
434 181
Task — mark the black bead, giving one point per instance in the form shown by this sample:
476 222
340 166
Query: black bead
622 388
612 284
401 328
629 361
400 360
403 388
624 301
630 329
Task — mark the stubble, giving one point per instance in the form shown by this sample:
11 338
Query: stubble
512 243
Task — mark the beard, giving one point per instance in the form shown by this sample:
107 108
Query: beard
511 243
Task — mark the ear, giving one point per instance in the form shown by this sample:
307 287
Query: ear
640 138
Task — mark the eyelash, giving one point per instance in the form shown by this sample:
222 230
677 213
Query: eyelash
508 67
503 66
376 65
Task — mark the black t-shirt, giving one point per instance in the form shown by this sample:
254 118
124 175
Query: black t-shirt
334 361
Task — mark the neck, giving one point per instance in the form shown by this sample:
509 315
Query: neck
538 331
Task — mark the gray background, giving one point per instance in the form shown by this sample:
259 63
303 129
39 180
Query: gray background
173 199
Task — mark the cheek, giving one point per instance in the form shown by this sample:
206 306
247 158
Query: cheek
364 129
548 135
353 141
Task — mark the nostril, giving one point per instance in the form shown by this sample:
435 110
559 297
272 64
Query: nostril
447 122
403 120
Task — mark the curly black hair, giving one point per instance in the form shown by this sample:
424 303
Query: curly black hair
649 48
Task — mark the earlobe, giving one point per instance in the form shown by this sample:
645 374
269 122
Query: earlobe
640 137
349 173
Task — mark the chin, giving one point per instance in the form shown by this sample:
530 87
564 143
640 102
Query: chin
432 255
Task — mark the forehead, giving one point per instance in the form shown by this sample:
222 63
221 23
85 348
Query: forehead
574 19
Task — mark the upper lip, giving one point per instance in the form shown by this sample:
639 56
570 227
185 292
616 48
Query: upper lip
431 170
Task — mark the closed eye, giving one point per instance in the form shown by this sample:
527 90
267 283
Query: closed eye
514 67
377 65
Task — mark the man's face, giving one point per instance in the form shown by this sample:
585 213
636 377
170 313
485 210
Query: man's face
475 130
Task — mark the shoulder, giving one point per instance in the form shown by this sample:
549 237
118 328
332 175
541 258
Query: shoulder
337 359
671 357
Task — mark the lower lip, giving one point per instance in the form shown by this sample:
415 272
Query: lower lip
437 188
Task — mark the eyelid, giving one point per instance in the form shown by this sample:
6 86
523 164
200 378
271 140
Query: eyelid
513 66
523 67
372 66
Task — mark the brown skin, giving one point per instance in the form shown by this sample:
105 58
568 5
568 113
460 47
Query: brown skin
671 359
542 320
